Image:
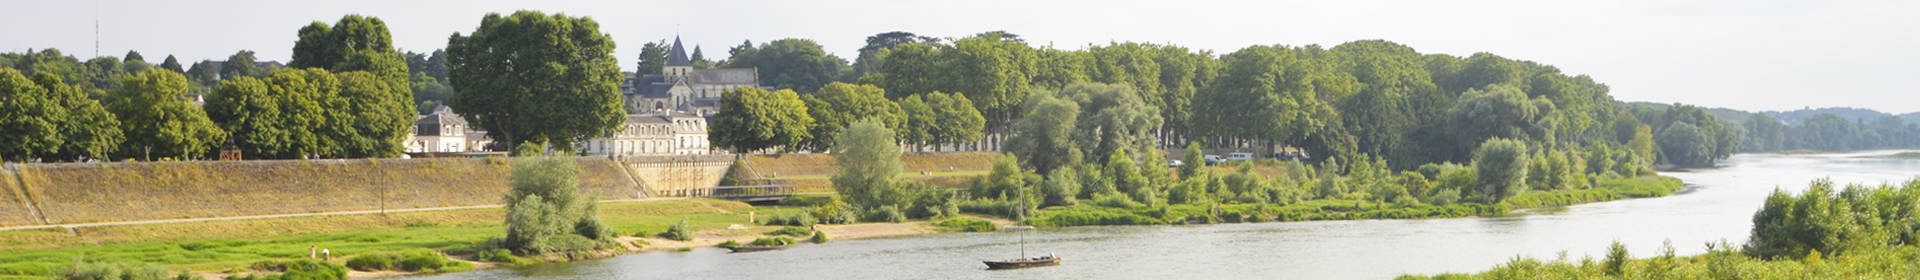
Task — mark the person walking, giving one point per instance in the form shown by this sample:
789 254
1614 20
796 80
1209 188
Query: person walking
326 255
313 252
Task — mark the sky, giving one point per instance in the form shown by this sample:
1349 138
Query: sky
1742 54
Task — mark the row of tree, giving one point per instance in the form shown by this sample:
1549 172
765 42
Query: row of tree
1829 132
757 119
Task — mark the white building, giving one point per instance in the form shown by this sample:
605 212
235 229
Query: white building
445 132
681 87
657 133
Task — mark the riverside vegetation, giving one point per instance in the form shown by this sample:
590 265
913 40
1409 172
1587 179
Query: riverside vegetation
1858 232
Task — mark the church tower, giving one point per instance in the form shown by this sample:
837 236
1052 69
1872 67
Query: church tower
678 66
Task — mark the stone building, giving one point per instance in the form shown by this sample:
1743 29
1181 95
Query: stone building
680 87
652 134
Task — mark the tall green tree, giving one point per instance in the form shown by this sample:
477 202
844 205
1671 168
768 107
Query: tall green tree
955 121
250 113
1502 111
172 64
86 129
867 163
240 64
534 77
1501 165
1043 140
756 119
653 58
29 118
792 63
157 120
1112 117
838 105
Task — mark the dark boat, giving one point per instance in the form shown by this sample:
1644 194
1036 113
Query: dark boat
1023 262
755 248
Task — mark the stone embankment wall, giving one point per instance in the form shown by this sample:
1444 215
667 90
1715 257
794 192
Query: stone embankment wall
132 191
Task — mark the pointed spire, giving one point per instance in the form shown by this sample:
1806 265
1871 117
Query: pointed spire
677 56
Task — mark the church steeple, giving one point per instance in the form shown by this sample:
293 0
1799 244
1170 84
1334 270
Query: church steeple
677 56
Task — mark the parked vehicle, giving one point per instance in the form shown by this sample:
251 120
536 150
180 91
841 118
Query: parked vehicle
1175 163
1240 156
1215 159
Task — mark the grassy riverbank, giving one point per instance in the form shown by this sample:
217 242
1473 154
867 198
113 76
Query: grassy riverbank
232 246
1095 213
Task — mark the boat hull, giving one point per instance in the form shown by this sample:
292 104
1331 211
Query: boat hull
1021 263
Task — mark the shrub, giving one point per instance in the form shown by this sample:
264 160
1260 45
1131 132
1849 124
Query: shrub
115 270
498 255
677 231
798 220
792 231
372 262
772 241
836 212
886 214
728 244
966 225
545 204
819 237
999 208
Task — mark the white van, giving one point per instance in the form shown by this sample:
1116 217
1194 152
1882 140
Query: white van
1240 156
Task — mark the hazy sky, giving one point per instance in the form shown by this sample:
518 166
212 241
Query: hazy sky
1745 54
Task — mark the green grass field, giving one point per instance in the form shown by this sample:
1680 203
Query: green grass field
225 245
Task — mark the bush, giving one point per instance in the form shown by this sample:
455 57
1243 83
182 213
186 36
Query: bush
498 255
798 220
728 244
836 212
792 231
998 208
677 231
417 261
819 237
966 225
373 262
773 241
886 214
545 204
91 271
298 270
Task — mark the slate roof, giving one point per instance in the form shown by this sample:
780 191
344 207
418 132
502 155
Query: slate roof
725 76
678 55
430 124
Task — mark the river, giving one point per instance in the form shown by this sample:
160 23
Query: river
1717 204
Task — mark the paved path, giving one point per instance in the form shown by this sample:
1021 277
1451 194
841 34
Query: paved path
361 212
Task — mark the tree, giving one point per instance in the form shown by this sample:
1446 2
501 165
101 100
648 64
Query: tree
1192 161
955 118
1502 111
792 63
1043 140
1686 145
919 121
86 129
240 64
360 50
133 55
1112 117
250 114
428 91
545 203
838 105
172 64
653 58
756 119
1501 165
700 60
874 53
28 118
382 116
157 120
536 77
868 162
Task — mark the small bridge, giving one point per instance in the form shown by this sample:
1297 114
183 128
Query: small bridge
750 194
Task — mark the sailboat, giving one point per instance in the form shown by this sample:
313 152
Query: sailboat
1023 261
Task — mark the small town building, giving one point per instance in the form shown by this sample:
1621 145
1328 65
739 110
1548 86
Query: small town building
445 132
681 87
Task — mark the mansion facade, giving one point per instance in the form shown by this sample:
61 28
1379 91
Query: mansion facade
654 134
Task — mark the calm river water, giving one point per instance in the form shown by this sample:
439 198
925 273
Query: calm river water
1717 204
